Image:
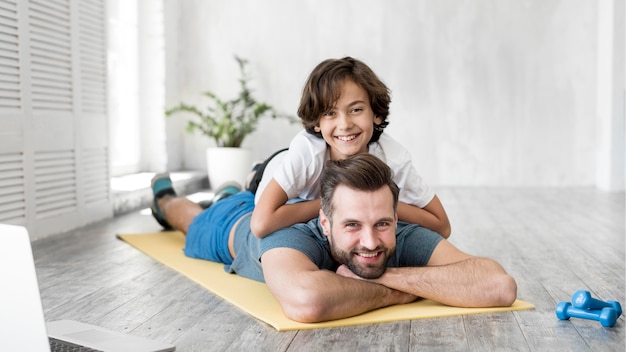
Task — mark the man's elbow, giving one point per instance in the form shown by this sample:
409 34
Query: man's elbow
304 308
499 289
303 314
505 293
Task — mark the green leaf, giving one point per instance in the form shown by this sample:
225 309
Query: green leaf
228 122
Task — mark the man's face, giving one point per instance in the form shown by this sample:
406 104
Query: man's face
362 233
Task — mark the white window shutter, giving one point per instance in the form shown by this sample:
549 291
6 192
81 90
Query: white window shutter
54 172
95 173
10 99
12 199
12 184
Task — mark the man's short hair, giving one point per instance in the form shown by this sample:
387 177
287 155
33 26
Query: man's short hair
361 172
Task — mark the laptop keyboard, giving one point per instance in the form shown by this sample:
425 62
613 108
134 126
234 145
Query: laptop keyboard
64 346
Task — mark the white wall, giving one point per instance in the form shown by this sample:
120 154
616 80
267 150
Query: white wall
611 95
485 92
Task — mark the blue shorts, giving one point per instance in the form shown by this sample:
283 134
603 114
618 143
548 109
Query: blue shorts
207 237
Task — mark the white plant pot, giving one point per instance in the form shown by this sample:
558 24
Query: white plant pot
228 164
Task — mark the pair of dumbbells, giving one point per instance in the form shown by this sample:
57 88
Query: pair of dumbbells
585 307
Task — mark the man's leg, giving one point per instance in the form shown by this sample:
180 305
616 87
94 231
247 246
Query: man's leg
179 212
170 210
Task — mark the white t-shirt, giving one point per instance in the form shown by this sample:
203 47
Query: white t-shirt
298 170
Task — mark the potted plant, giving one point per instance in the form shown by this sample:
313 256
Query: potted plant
228 122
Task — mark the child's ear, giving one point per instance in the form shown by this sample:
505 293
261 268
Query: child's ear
378 120
317 129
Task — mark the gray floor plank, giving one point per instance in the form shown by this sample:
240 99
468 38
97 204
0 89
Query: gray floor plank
443 334
262 338
494 332
216 331
394 336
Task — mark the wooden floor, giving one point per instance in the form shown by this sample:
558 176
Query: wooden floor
553 241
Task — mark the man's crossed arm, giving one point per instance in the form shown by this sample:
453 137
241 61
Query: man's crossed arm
308 294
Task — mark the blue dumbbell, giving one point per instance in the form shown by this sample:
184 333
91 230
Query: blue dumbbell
607 316
582 299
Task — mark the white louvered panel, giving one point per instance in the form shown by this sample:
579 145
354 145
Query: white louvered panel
51 55
55 183
59 5
91 26
51 97
8 5
92 51
8 21
94 7
53 106
91 46
8 65
50 51
50 11
7 48
10 92
94 98
96 175
8 12
12 195
98 193
92 84
47 31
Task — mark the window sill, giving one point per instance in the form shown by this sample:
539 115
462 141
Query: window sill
133 192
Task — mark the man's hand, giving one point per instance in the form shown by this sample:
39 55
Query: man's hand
404 297
343 270
451 277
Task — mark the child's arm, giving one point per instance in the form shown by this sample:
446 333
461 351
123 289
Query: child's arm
271 213
432 216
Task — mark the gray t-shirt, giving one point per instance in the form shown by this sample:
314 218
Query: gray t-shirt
414 246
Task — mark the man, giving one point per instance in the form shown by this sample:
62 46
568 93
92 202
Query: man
350 261
353 258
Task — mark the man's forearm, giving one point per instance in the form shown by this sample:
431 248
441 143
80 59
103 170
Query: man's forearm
474 282
340 297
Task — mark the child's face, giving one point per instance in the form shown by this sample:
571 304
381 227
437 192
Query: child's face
349 125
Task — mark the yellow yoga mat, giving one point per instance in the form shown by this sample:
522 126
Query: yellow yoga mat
255 298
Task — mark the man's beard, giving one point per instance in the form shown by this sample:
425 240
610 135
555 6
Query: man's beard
370 271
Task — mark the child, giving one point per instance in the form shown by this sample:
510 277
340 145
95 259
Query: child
344 110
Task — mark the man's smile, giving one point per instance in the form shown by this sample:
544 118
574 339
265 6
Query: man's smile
369 257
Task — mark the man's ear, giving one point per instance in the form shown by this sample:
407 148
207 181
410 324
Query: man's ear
325 222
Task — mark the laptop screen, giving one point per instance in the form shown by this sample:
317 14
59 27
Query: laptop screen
22 323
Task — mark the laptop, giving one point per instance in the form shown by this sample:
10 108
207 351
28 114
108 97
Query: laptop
22 323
